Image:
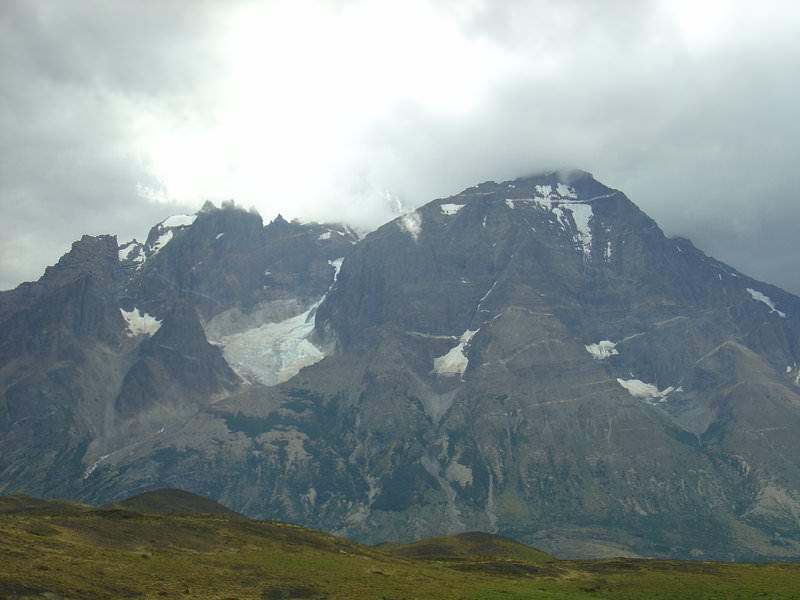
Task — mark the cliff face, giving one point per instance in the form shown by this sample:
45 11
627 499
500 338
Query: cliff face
532 357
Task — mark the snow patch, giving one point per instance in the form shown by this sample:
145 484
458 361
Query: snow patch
602 349
764 299
486 295
562 217
325 236
140 323
91 468
337 266
647 391
219 235
564 200
179 221
164 239
582 215
275 352
455 361
450 209
566 191
125 251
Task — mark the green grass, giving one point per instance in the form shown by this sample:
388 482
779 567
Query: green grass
471 547
172 501
60 550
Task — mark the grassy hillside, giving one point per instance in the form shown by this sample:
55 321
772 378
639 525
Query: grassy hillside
172 501
60 550
470 547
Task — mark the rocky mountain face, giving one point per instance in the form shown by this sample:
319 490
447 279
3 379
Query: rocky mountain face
534 358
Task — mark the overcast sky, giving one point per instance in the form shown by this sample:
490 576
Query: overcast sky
114 115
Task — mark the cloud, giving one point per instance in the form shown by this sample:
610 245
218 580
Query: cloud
76 83
326 110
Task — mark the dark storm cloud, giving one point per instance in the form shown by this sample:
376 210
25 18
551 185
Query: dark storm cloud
704 139
70 80
696 120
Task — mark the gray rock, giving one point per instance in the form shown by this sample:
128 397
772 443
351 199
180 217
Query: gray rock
534 358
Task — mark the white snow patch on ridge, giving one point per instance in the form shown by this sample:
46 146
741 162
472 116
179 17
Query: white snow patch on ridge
564 199
764 299
125 251
166 226
325 236
566 191
140 323
647 391
179 221
164 239
602 349
455 361
450 209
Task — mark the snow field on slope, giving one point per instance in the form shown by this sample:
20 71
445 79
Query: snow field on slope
647 391
455 361
275 352
764 299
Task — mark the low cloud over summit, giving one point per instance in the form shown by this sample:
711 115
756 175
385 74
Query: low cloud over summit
116 115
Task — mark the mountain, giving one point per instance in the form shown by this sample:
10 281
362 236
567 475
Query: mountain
533 358
62 550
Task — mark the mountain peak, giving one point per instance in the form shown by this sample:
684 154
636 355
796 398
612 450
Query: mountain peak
531 357
561 175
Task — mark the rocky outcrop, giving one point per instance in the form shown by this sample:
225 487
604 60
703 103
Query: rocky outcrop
176 366
533 357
